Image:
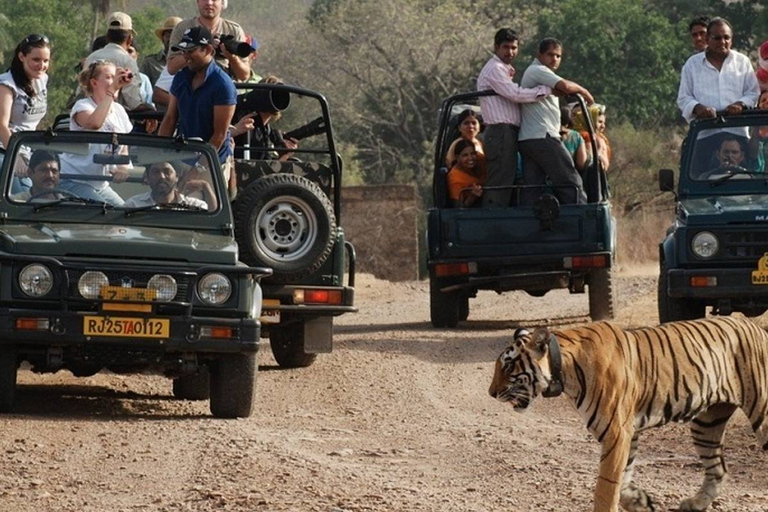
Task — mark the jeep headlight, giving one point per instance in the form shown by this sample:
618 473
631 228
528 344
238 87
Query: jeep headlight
90 284
214 288
705 245
165 286
35 280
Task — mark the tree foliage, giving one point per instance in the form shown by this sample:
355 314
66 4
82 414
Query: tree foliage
629 62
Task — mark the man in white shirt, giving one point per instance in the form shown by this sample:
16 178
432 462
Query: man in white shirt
544 155
717 79
163 184
501 115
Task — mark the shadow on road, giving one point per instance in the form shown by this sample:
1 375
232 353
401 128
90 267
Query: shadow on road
94 403
468 325
468 343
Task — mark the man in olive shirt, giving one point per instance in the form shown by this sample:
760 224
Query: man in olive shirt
153 65
210 18
544 155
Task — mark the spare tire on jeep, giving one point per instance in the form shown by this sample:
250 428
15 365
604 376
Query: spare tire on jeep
285 222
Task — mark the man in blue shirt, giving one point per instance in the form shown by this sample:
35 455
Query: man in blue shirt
202 100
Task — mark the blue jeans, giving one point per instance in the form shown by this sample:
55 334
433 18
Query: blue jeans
88 192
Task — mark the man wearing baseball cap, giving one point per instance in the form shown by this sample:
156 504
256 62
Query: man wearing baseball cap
153 65
119 38
210 17
202 99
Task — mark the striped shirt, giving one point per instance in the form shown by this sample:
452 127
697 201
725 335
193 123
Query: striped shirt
701 82
504 108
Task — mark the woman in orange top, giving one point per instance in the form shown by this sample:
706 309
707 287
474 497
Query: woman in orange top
466 178
469 128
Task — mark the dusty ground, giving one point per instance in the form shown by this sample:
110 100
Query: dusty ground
397 418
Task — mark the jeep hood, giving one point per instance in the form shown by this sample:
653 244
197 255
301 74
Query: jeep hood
725 209
118 242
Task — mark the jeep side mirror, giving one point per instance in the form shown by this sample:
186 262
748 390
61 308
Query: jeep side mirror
666 180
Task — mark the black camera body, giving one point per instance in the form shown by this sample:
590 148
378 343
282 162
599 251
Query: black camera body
239 48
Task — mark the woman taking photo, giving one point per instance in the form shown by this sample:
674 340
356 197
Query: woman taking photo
98 111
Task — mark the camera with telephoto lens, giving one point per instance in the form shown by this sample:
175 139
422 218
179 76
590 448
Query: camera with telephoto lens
314 127
239 48
262 100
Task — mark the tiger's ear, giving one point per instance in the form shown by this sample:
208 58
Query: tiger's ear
520 337
538 342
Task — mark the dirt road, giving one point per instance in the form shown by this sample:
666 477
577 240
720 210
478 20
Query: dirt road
397 418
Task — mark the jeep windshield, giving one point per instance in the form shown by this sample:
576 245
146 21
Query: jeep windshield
729 150
130 174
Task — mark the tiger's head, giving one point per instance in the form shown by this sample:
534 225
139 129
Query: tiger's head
519 378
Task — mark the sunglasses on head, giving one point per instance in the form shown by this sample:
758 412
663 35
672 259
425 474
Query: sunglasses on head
36 38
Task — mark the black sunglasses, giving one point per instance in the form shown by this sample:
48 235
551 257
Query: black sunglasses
35 38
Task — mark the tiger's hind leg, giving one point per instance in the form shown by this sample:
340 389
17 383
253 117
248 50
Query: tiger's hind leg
633 498
707 430
759 420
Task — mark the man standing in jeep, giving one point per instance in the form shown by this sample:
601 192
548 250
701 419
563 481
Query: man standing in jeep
210 17
501 115
544 155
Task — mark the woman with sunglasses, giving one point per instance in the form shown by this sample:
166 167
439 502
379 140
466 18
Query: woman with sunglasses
23 88
98 111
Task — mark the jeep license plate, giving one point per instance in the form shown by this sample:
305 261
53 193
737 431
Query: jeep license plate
126 327
270 316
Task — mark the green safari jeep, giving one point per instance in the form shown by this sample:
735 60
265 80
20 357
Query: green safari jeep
106 264
716 253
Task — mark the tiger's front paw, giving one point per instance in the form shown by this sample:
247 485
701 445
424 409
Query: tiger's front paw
634 499
695 504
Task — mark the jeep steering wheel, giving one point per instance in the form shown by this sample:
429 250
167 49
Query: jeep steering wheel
725 169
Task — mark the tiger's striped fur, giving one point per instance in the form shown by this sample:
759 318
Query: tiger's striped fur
625 381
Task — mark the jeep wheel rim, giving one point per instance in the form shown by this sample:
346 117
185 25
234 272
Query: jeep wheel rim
286 228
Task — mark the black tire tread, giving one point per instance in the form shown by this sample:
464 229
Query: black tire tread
196 386
444 308
287 344
601 294
233 385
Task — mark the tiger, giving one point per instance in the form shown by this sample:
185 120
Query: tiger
624 381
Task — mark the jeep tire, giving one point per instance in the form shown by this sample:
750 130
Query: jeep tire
285 222
8 371
463 308
444 308
287 344
600 282
196 386
672 309
233 385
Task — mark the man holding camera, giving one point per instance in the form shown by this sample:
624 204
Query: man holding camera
119 38
221 29
202 100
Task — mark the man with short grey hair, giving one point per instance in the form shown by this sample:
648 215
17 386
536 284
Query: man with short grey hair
544 155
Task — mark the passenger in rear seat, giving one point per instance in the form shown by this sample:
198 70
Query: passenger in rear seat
468 123
466 178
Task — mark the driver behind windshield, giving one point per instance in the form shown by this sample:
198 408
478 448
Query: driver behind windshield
44 172
730 158
163 182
